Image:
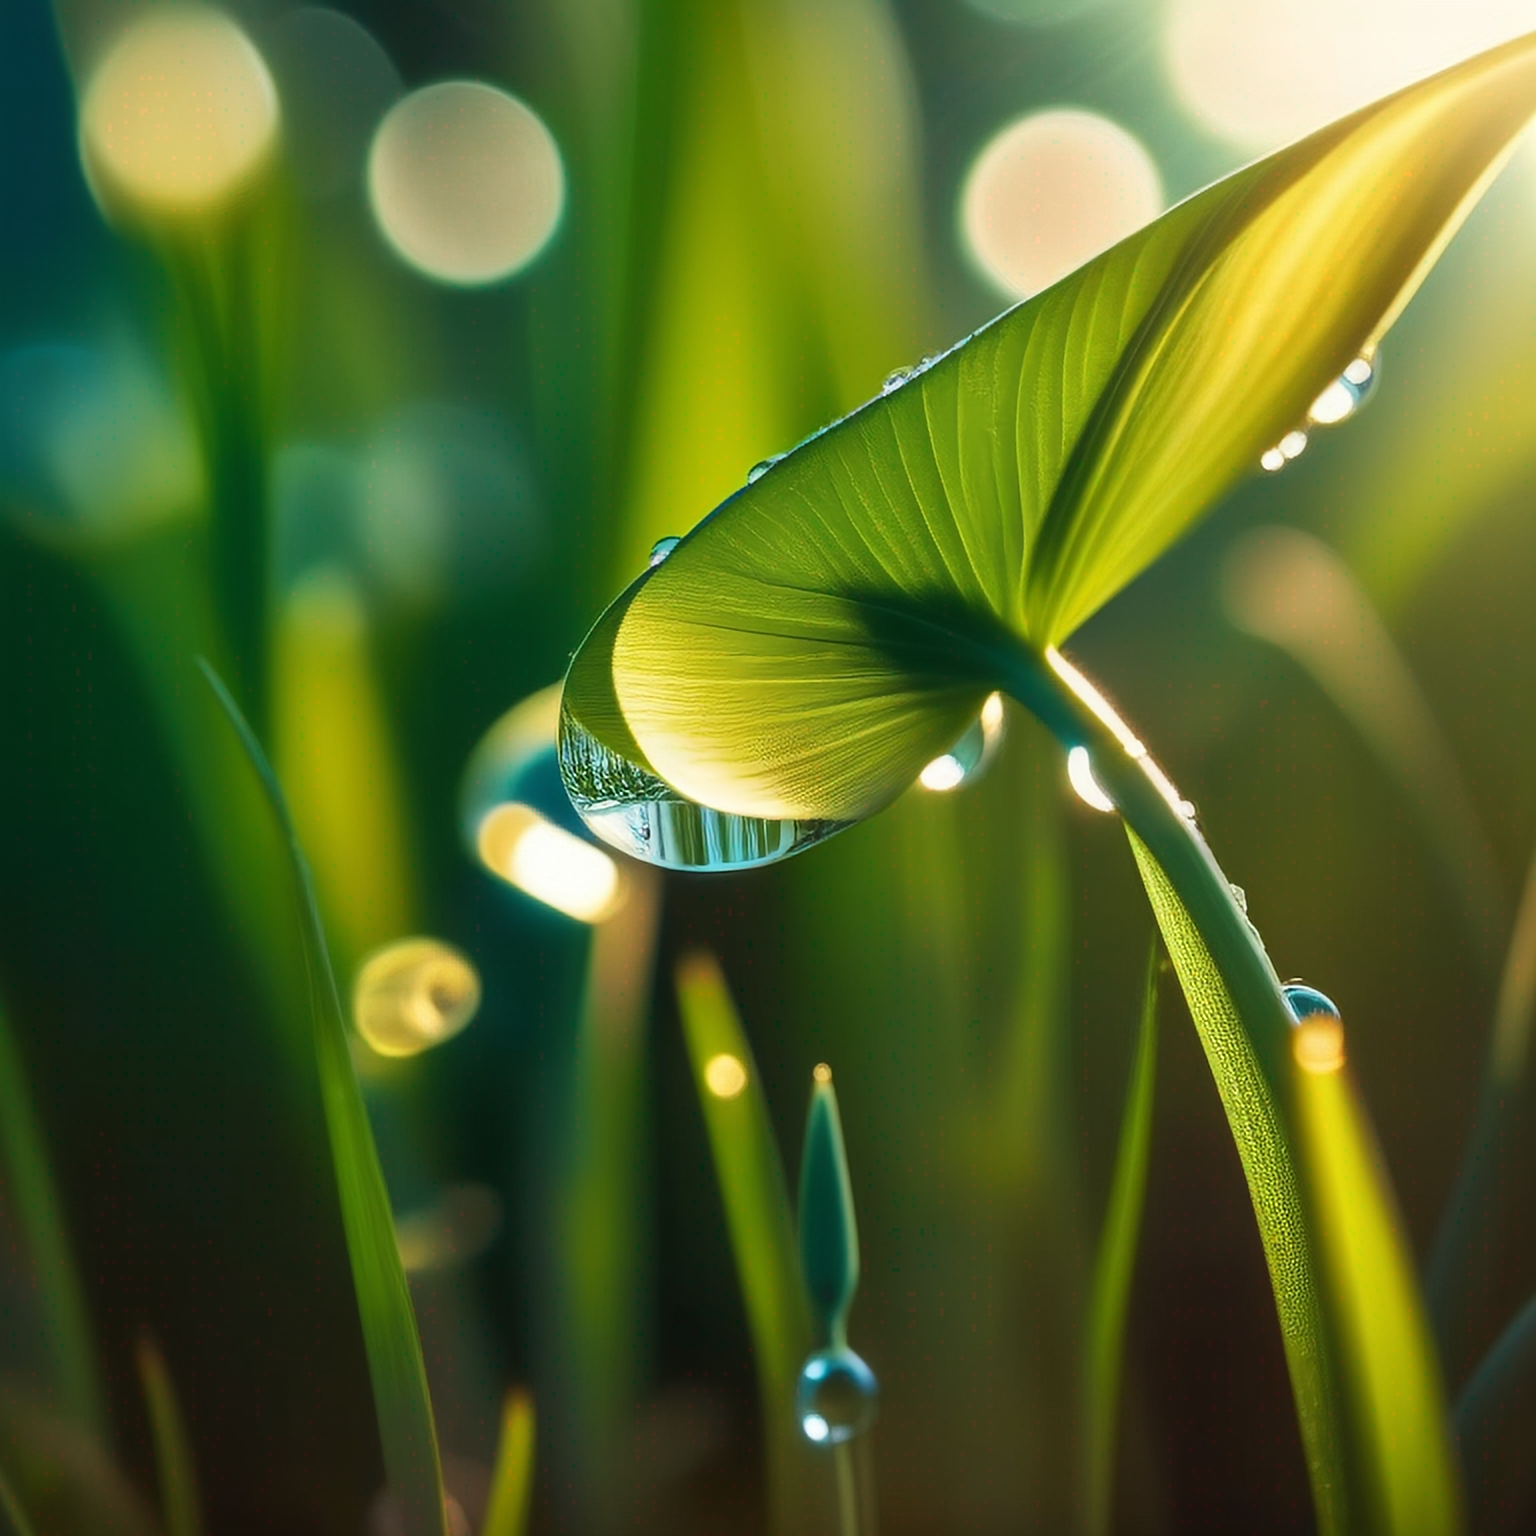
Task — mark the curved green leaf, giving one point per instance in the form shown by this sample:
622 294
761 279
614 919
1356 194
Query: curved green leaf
805 650
180 1506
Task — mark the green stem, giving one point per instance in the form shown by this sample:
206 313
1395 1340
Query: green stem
1247 1048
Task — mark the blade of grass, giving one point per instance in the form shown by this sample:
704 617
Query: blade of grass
512 1477
13 1518
1291 590
1457 1273
1393 1377
757 1213
180 1508
406 1428
603 1205
1115 1266
65 1329
1500 1394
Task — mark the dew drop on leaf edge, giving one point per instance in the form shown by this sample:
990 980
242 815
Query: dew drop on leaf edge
662 548
1307 1002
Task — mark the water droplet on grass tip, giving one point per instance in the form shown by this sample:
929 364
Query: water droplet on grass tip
631 809
662 548
835 1397
1307 1002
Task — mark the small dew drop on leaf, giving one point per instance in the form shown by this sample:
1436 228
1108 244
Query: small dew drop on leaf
971 755
664 547
761 468
1080 776
1307 1002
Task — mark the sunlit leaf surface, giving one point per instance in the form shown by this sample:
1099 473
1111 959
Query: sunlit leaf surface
806 650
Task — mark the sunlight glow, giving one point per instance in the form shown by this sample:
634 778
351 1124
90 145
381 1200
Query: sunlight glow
457 1227
1263 72
725 1075
180 113
1080 776
1318 1044
1051 190
466 182
413 994
549 864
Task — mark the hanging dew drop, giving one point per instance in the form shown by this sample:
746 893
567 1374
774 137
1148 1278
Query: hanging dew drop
1272 460
1341 399
971 755
1080 776
836 1397
662 548
629 808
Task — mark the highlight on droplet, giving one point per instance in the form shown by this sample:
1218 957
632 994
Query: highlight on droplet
1080 776
971 755
548 863
1050 191
414 994
725 1075
466 182
1318 1044
179 114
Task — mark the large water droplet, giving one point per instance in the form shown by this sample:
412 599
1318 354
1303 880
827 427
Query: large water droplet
969 758
662 548
836 1396
1307 1002
631 809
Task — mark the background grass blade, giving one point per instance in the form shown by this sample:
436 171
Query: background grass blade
395 1363
40 1215
13 1518
1457 1275
1387 1354
1493 1420
757 1213
1114 1268
512 1477
180 1507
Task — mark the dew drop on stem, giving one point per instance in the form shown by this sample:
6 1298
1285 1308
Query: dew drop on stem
836 1397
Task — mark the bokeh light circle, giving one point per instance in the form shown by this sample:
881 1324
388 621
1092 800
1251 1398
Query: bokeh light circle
1051 190
180 113
1264 72
466 182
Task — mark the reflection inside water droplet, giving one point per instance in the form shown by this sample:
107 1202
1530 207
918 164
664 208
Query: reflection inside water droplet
836 1396
633 810
662 548
1342 398
972 754
1307 1002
